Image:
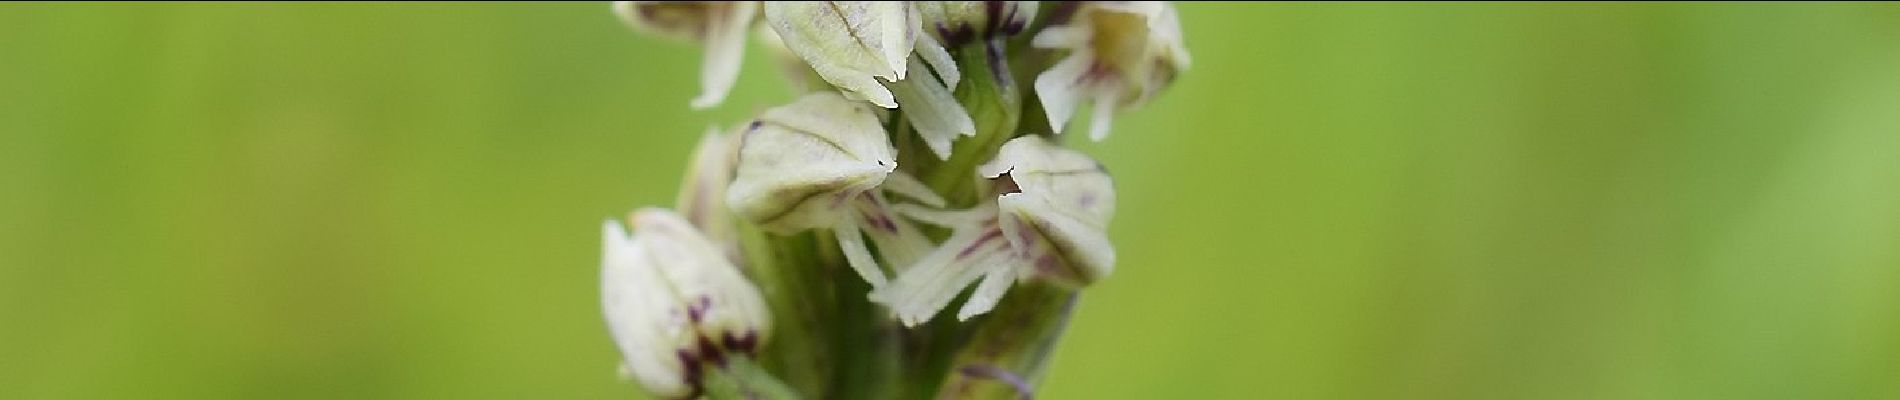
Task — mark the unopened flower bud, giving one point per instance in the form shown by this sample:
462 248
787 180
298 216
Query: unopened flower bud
849 43
673 303
1121 53
718 25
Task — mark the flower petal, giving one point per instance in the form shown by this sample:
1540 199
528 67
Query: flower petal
939 60
898 241
634 300
1058 218
995 283
908 186
1060 88
801 164
1060 37
849 43
857 255
933 111
718 300
944 218
725 50
1102 116
702 198
1061 246
926 287
720 26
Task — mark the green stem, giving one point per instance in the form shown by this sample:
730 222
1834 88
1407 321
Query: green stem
1004 359
742 379
788 273
994 101
868 350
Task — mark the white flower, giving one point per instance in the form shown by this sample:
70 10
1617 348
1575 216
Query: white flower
1049 222
673 302
719 25
849 43
816 163
872 51
1121 53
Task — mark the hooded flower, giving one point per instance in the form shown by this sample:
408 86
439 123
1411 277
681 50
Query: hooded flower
718 25
1121 53
870 51
673 303
849 43
1049 222
818 163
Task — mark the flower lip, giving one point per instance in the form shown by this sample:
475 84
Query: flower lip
1048 222
1120 55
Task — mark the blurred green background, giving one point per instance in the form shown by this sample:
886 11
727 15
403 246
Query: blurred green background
1448 201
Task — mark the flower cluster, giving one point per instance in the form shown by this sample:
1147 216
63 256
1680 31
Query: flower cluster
917 161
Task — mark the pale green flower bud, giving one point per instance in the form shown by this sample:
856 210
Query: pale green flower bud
1121 53
639 307
849 43
1049 222
673 303
718 25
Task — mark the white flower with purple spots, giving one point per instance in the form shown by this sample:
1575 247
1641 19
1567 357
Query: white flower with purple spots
673 303
1049 222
